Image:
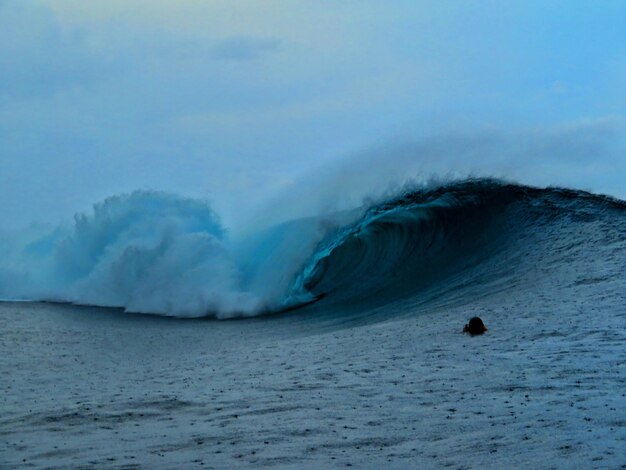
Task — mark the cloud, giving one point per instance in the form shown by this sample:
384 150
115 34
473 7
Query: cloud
241 48
584 154
230 100
37 57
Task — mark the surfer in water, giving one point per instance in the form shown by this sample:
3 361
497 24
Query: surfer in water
475 326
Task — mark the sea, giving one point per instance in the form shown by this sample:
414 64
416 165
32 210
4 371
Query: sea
146 335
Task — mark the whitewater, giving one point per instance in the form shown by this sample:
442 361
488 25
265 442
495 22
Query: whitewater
345 345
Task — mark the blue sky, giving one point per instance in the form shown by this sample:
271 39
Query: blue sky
239 101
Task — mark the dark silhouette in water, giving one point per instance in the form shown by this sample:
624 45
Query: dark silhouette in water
475 327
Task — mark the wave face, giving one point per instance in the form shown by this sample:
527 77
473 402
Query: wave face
468 240
155 253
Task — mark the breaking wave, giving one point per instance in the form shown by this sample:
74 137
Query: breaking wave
151 252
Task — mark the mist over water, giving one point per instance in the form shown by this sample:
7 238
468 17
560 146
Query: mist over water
157 252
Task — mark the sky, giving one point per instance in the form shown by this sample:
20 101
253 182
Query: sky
242 102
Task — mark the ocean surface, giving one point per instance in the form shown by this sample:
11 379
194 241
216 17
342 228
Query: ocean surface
146 335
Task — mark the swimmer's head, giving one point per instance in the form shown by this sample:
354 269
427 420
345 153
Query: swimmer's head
475 326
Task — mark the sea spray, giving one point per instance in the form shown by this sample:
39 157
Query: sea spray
153 252
146 251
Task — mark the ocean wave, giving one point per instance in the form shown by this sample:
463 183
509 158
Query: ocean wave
157 253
